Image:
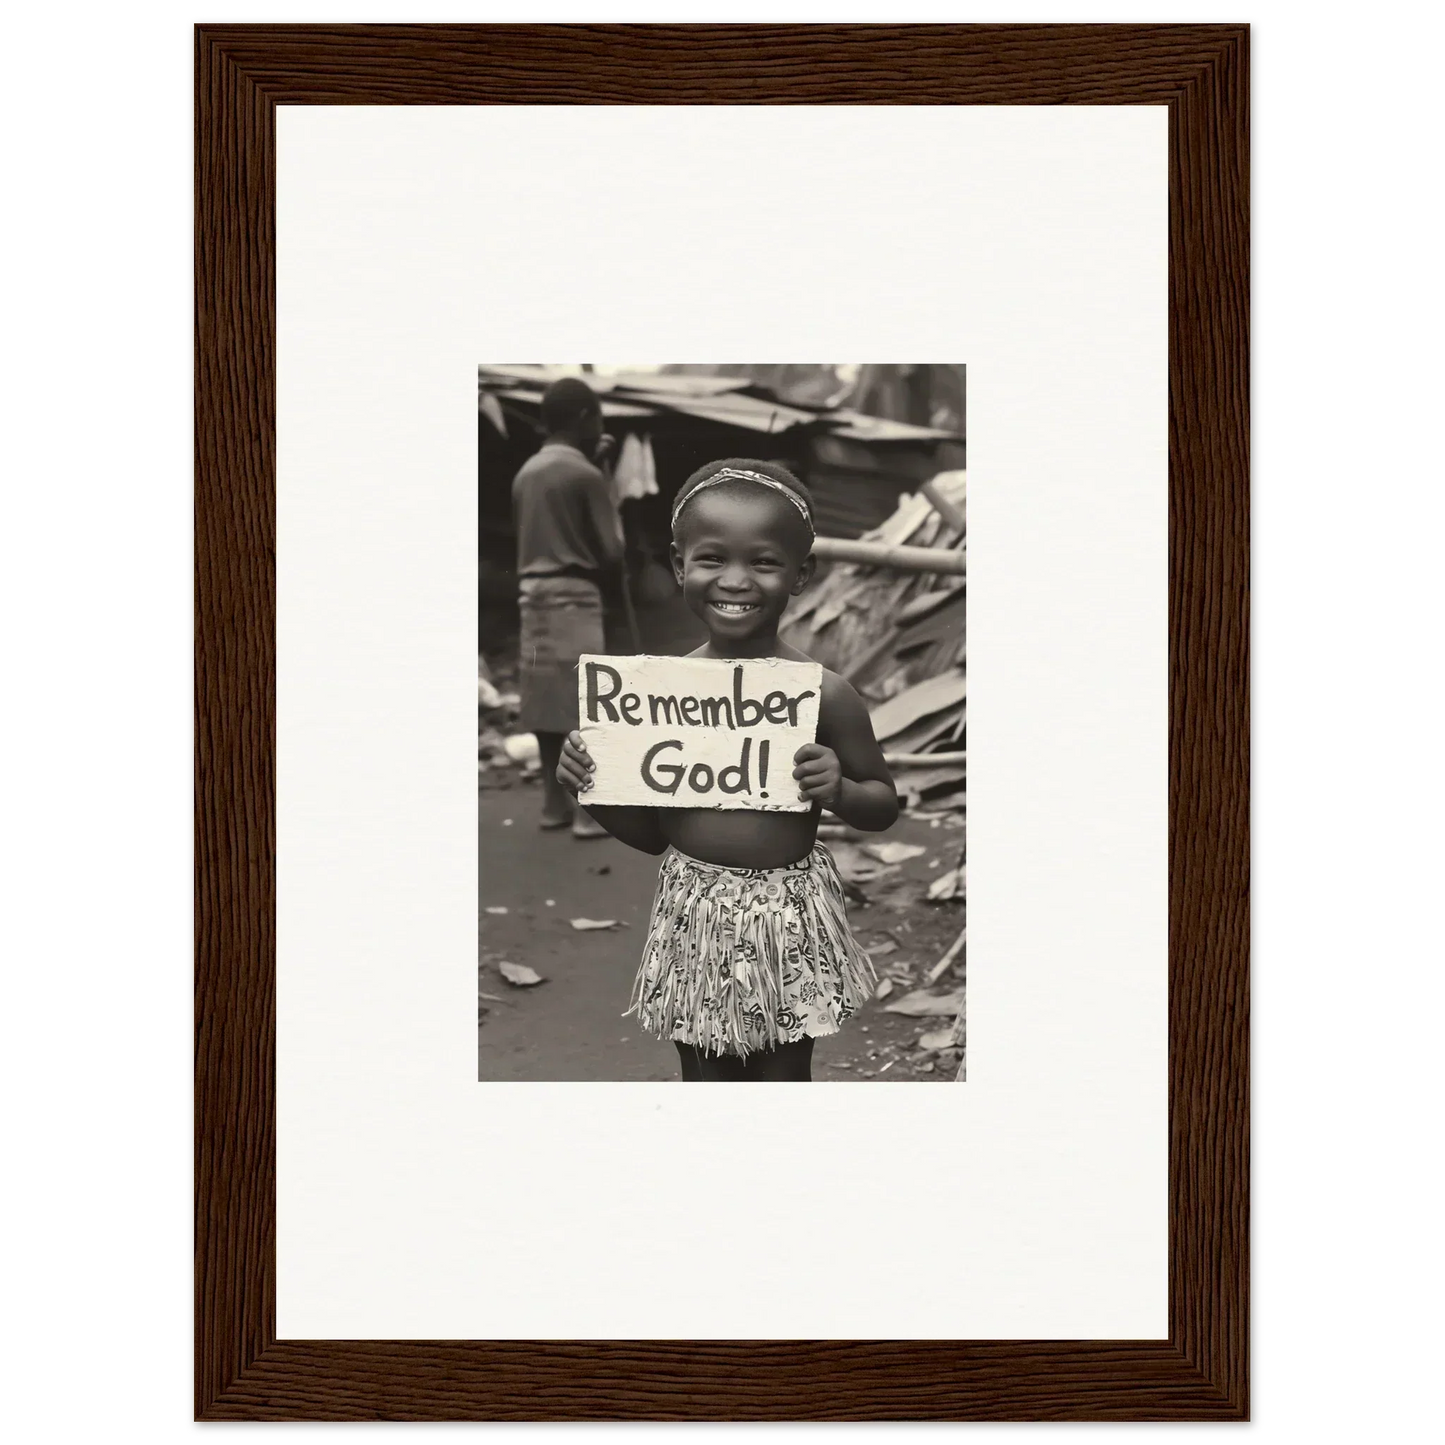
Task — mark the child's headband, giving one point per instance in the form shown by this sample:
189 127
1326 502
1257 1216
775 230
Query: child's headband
728 474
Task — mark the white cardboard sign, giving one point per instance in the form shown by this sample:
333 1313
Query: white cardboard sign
691 732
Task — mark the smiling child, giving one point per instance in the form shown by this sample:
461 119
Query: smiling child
749 957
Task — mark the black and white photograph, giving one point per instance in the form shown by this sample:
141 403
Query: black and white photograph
721 722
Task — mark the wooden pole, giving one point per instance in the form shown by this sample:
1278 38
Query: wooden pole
941 967
882 554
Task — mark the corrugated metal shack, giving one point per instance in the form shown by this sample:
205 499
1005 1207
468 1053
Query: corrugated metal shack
857 464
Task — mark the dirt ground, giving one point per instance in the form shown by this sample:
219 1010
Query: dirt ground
570 1027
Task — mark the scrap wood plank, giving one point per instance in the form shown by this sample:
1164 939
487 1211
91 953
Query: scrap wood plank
941 967
918 784
946 690
939 727
943 506
882 554
926 602
943 622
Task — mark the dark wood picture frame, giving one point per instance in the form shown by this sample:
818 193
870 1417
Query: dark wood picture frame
243 1372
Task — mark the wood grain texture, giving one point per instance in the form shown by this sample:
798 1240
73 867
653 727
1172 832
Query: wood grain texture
242 73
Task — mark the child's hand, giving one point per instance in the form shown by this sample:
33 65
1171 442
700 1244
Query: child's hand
819 774
575 769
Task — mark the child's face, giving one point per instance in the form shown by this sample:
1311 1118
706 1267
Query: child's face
738 560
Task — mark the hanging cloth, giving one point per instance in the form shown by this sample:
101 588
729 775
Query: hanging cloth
636 474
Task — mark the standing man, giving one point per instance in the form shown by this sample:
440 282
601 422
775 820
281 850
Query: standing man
569 546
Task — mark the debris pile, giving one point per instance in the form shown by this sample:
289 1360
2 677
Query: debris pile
897 634
894 628
502 753
914 1026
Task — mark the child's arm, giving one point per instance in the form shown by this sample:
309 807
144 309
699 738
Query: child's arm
844 770
637 827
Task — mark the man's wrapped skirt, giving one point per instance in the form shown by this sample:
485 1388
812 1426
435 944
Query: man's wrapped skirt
739 960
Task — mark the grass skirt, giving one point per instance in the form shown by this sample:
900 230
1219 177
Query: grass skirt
740 960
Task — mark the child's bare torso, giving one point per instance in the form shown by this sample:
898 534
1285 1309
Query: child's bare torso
738 838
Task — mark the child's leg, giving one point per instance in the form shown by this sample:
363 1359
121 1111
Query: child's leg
788 1062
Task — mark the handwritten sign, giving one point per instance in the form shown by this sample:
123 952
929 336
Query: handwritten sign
688 732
